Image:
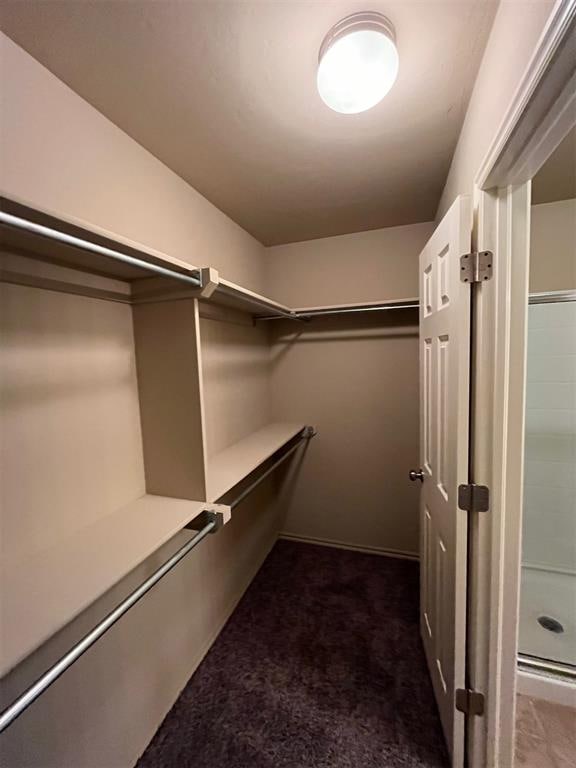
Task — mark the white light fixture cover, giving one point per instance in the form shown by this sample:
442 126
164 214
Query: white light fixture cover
358 62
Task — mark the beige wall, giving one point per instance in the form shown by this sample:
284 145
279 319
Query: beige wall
59 153
67 380
233 351
355 378
76 423
516 30
553 246
365 266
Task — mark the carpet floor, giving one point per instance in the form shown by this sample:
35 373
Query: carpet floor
320 666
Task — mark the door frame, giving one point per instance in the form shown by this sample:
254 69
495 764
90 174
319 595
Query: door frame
540 115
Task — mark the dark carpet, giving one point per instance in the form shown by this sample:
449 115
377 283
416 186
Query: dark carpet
320 666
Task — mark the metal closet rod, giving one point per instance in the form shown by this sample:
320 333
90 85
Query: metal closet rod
304 314
58 668
86 245
307 434
53 673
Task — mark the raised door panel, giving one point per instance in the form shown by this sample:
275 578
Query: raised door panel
444 394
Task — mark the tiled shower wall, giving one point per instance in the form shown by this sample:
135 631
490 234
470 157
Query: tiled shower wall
550 469
549 537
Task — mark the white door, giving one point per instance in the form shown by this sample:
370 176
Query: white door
444 407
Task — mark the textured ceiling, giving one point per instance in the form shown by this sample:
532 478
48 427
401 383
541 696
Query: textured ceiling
556 180
224 93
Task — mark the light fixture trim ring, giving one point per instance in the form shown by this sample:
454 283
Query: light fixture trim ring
360 21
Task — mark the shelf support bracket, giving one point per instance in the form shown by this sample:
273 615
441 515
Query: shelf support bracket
210 280
219 514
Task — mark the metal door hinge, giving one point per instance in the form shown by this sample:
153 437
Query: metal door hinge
470 702
476 267
473 498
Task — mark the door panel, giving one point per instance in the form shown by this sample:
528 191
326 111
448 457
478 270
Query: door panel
444 377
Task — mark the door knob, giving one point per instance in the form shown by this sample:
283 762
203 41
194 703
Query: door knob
416 474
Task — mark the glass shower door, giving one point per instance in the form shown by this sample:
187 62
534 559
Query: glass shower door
548 597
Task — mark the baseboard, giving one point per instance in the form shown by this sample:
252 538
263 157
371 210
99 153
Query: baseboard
547 687
352 547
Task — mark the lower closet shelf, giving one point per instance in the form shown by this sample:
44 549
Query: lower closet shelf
42 593
229 467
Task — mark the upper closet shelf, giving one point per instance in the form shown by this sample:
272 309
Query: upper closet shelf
146 275
43 592
229 294
234 464
151 275
309 313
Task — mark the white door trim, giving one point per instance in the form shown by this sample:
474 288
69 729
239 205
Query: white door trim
502 306
542 109
541 113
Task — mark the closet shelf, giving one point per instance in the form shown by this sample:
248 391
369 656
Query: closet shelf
232 295
309 313
231 466
151 275
43 592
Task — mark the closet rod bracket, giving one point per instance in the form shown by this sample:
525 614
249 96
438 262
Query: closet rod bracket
219 516
210 280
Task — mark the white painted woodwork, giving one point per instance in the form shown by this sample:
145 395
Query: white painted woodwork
384 304
75 266
44 591
170 389
444 382
229 467
238 297
503 226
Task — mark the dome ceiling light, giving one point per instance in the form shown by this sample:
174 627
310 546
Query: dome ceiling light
358 62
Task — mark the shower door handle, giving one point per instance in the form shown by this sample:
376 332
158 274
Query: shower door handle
416 474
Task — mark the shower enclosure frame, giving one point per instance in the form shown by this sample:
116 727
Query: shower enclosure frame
528 663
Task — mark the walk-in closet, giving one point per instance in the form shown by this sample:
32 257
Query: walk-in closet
246 268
